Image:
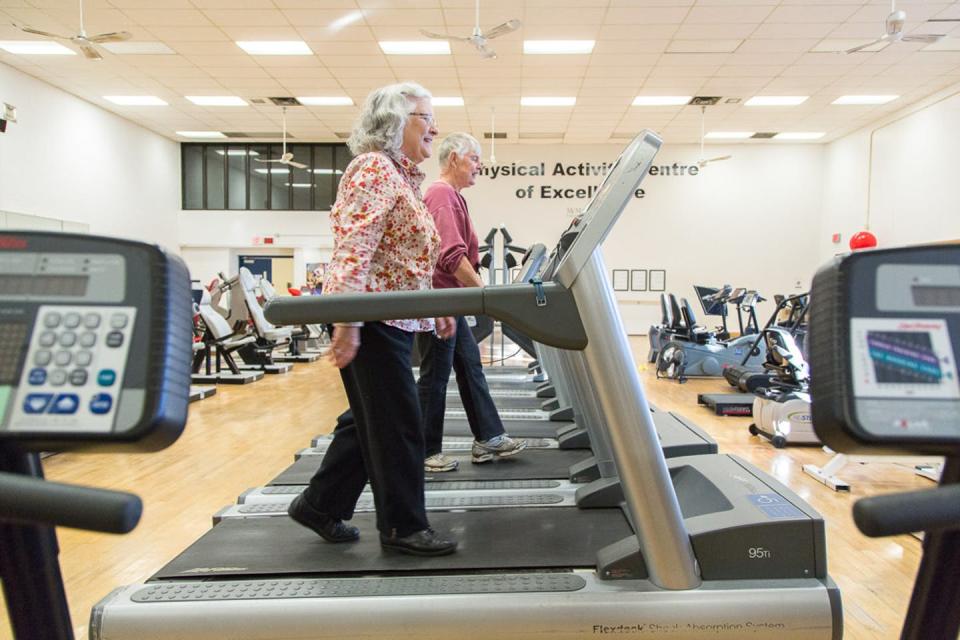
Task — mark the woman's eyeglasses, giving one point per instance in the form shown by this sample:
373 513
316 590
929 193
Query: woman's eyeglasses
427 117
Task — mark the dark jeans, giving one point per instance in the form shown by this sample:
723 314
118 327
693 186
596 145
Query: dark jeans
461 355
383 444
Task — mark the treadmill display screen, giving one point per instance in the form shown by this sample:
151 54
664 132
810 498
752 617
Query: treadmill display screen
903 358
44 285
935 296
13 339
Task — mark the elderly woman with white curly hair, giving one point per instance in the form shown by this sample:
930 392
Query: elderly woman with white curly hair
384 240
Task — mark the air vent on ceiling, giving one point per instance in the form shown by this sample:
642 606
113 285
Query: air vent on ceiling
499 135
704 101
255 134
732 101
541 136
943 20
623 136
258 100
764 135
285 101
343 135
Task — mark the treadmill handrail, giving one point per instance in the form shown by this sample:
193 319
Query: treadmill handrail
557 323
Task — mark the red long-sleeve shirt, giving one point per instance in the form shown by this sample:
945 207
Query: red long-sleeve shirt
457 236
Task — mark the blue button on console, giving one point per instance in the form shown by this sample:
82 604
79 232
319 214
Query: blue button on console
106 377
66 403
37 376
37 402
101 403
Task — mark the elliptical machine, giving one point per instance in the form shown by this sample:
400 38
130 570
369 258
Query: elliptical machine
883 346
781 410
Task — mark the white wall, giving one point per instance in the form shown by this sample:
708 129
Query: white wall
750 221
70 160
914 192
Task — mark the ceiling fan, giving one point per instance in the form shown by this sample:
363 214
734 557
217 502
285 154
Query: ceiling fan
704 161
286 157
84 42
894 31
479 39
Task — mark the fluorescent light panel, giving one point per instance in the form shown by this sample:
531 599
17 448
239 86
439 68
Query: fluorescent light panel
138 48
136 101
729 135
853 99
547 101
799 135
415 47
275 47
560 47
217 101
201 134
452 101
325 101
775 101
36 48
237 152
661 101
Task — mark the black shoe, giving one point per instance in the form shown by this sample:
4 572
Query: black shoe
422 543
328 528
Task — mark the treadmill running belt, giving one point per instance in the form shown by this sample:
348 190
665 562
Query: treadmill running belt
515 428
493 539
530 465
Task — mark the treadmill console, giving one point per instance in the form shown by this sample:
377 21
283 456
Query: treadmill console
884 340
95 337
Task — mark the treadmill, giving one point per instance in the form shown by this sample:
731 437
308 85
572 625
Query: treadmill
705 547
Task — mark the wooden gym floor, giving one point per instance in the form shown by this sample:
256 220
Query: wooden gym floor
244 436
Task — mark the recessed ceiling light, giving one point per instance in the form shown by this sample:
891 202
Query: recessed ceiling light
328 172
138 48
217 101
282 170
36 48
661 101
452 101
799 135
536 47
729 135
136 101
864 99
546 101
775 101
275 47
415 47
325 101
201 134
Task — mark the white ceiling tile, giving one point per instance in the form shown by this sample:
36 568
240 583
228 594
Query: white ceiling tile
314 17
819 13
404 17
562 31
273 32
715 31
334 36
618 47
629 32
703 46
168 18
247 18
643 15
780 45
189 34
739 13
789 30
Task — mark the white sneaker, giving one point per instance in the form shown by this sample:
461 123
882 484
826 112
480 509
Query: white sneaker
502 446
439 463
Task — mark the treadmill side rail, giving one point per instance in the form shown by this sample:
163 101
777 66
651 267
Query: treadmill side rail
768 610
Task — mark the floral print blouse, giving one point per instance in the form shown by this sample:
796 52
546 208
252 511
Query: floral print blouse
384 239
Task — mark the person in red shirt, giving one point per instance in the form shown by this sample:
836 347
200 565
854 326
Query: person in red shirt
457 266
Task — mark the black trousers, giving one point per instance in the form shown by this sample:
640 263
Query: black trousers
462 355
383 444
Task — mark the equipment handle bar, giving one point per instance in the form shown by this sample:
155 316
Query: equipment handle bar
32 500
